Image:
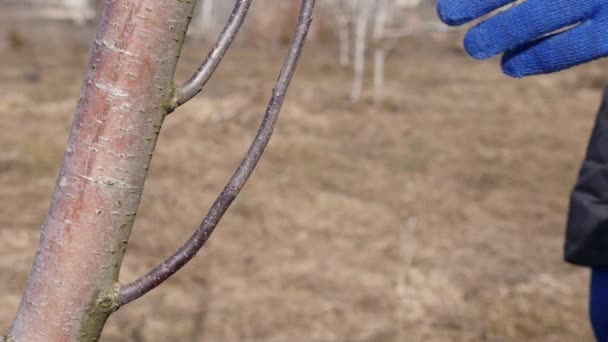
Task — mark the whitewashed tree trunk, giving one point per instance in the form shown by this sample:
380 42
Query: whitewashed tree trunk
344 38
79 11
343 11
206 8
380 50
360 46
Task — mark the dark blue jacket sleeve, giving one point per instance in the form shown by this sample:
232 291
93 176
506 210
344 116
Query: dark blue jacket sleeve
587 227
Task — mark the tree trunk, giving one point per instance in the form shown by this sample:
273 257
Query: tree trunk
379 50
343 36
128 90
360 49
203 17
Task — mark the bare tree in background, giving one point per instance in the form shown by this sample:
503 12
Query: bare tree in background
380 49
361 28
79 11
388 25
343 11
206 13
206 19
360 47
128 91
389 30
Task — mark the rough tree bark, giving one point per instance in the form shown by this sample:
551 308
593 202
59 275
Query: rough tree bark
128 90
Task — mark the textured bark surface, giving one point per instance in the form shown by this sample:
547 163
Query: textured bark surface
128 90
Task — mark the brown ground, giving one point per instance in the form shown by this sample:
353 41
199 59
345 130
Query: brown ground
436 217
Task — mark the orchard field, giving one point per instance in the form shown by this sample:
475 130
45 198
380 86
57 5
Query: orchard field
436 216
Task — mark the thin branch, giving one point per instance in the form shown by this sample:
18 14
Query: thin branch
163 271
196 83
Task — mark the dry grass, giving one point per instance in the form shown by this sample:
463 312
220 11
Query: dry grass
436 217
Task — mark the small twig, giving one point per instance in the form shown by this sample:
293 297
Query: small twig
197 82
163 271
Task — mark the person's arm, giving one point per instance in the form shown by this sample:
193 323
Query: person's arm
544 36
587 227
536 36
598 302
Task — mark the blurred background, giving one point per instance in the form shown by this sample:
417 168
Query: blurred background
409 193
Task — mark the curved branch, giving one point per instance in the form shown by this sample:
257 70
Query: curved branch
196 83
172 264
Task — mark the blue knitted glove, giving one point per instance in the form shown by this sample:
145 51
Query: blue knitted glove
598 302
526 32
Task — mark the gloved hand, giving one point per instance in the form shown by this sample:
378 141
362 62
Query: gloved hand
526 32
598 302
